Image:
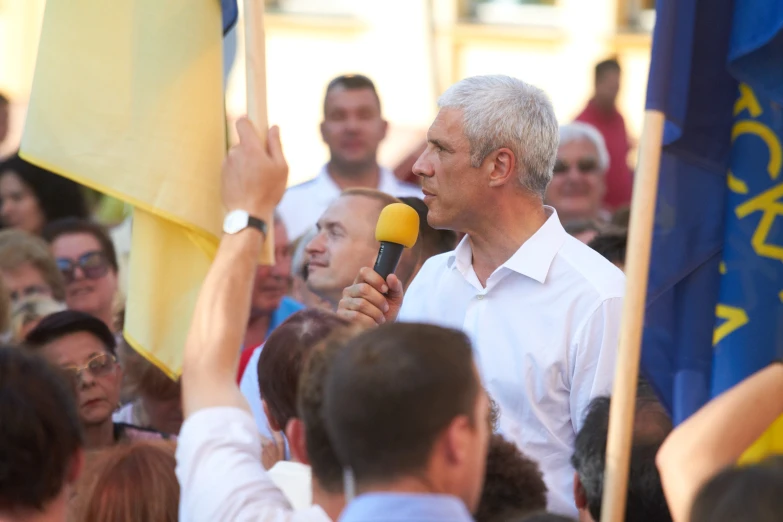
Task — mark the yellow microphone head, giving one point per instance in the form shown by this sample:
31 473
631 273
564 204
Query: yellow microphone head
398 223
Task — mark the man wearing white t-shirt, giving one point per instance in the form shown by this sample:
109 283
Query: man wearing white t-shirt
353 128
542 309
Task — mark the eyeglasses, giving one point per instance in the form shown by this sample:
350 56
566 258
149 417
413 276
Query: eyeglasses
93 265
99 366
584 166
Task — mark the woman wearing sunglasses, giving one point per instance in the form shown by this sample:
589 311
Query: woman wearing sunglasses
83 346
88 262
578 182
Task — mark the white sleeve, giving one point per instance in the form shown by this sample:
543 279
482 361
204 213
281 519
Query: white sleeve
595 355
220 474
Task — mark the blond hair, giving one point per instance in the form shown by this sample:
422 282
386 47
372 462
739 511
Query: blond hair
18 248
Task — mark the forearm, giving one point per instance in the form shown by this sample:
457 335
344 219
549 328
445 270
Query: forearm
218 326
717 435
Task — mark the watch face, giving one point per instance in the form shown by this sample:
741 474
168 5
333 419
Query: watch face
235 221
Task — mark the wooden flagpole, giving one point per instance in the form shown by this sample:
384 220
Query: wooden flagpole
255 72
637 265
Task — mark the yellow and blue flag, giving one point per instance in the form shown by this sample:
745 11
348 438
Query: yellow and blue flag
715 297
128 99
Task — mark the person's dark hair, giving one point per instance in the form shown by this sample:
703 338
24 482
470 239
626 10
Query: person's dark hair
284 355
420 376
606 66
60 324
574 228
351 82
621 217
611 244
40 431
325 465
69 226
742 494
433 241
513 484
646 501
57 196
4 100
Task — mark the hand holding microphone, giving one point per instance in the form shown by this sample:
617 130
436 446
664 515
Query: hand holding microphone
376 295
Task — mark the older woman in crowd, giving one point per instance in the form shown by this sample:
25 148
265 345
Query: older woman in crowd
31 197
88 262
28 268
84 346
578 184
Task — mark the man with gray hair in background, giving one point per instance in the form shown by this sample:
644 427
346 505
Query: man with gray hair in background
542 309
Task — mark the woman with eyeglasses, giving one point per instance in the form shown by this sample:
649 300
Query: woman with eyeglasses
83 346
578 181
87 260
31 197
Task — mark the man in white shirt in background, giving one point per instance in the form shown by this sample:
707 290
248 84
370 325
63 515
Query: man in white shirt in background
543 310
353 128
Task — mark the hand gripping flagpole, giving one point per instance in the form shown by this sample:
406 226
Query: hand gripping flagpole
255 69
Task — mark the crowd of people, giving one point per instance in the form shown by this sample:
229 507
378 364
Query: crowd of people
474 383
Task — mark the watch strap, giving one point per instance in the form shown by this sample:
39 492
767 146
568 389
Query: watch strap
258 224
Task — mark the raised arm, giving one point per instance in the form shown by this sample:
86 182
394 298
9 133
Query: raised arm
717 435
254 179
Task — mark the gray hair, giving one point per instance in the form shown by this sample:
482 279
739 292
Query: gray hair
584 131
500 111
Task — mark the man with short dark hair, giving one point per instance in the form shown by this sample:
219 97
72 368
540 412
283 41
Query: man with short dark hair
40 439
409 421
602 113
353 128
646 501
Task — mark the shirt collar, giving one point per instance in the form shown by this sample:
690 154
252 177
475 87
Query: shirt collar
387 182
406 506
532 259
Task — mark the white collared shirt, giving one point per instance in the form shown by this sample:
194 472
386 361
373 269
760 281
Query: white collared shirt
545 332
303 204
221 477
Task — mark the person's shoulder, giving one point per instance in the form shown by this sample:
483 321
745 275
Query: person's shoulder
129 432
593 269
300 190
290 306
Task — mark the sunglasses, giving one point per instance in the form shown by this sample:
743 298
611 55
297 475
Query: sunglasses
99 366
93 265
584 166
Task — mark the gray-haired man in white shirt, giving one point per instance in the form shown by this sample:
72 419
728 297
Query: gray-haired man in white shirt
543 309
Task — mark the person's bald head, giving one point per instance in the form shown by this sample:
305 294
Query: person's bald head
345 243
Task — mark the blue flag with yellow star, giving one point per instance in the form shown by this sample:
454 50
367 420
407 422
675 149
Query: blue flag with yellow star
715 295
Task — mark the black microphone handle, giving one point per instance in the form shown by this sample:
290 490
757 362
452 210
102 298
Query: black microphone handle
388 256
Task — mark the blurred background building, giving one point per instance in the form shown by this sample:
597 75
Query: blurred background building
412 49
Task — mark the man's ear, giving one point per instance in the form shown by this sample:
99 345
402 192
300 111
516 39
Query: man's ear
297 440
503 167
580 497
272 423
